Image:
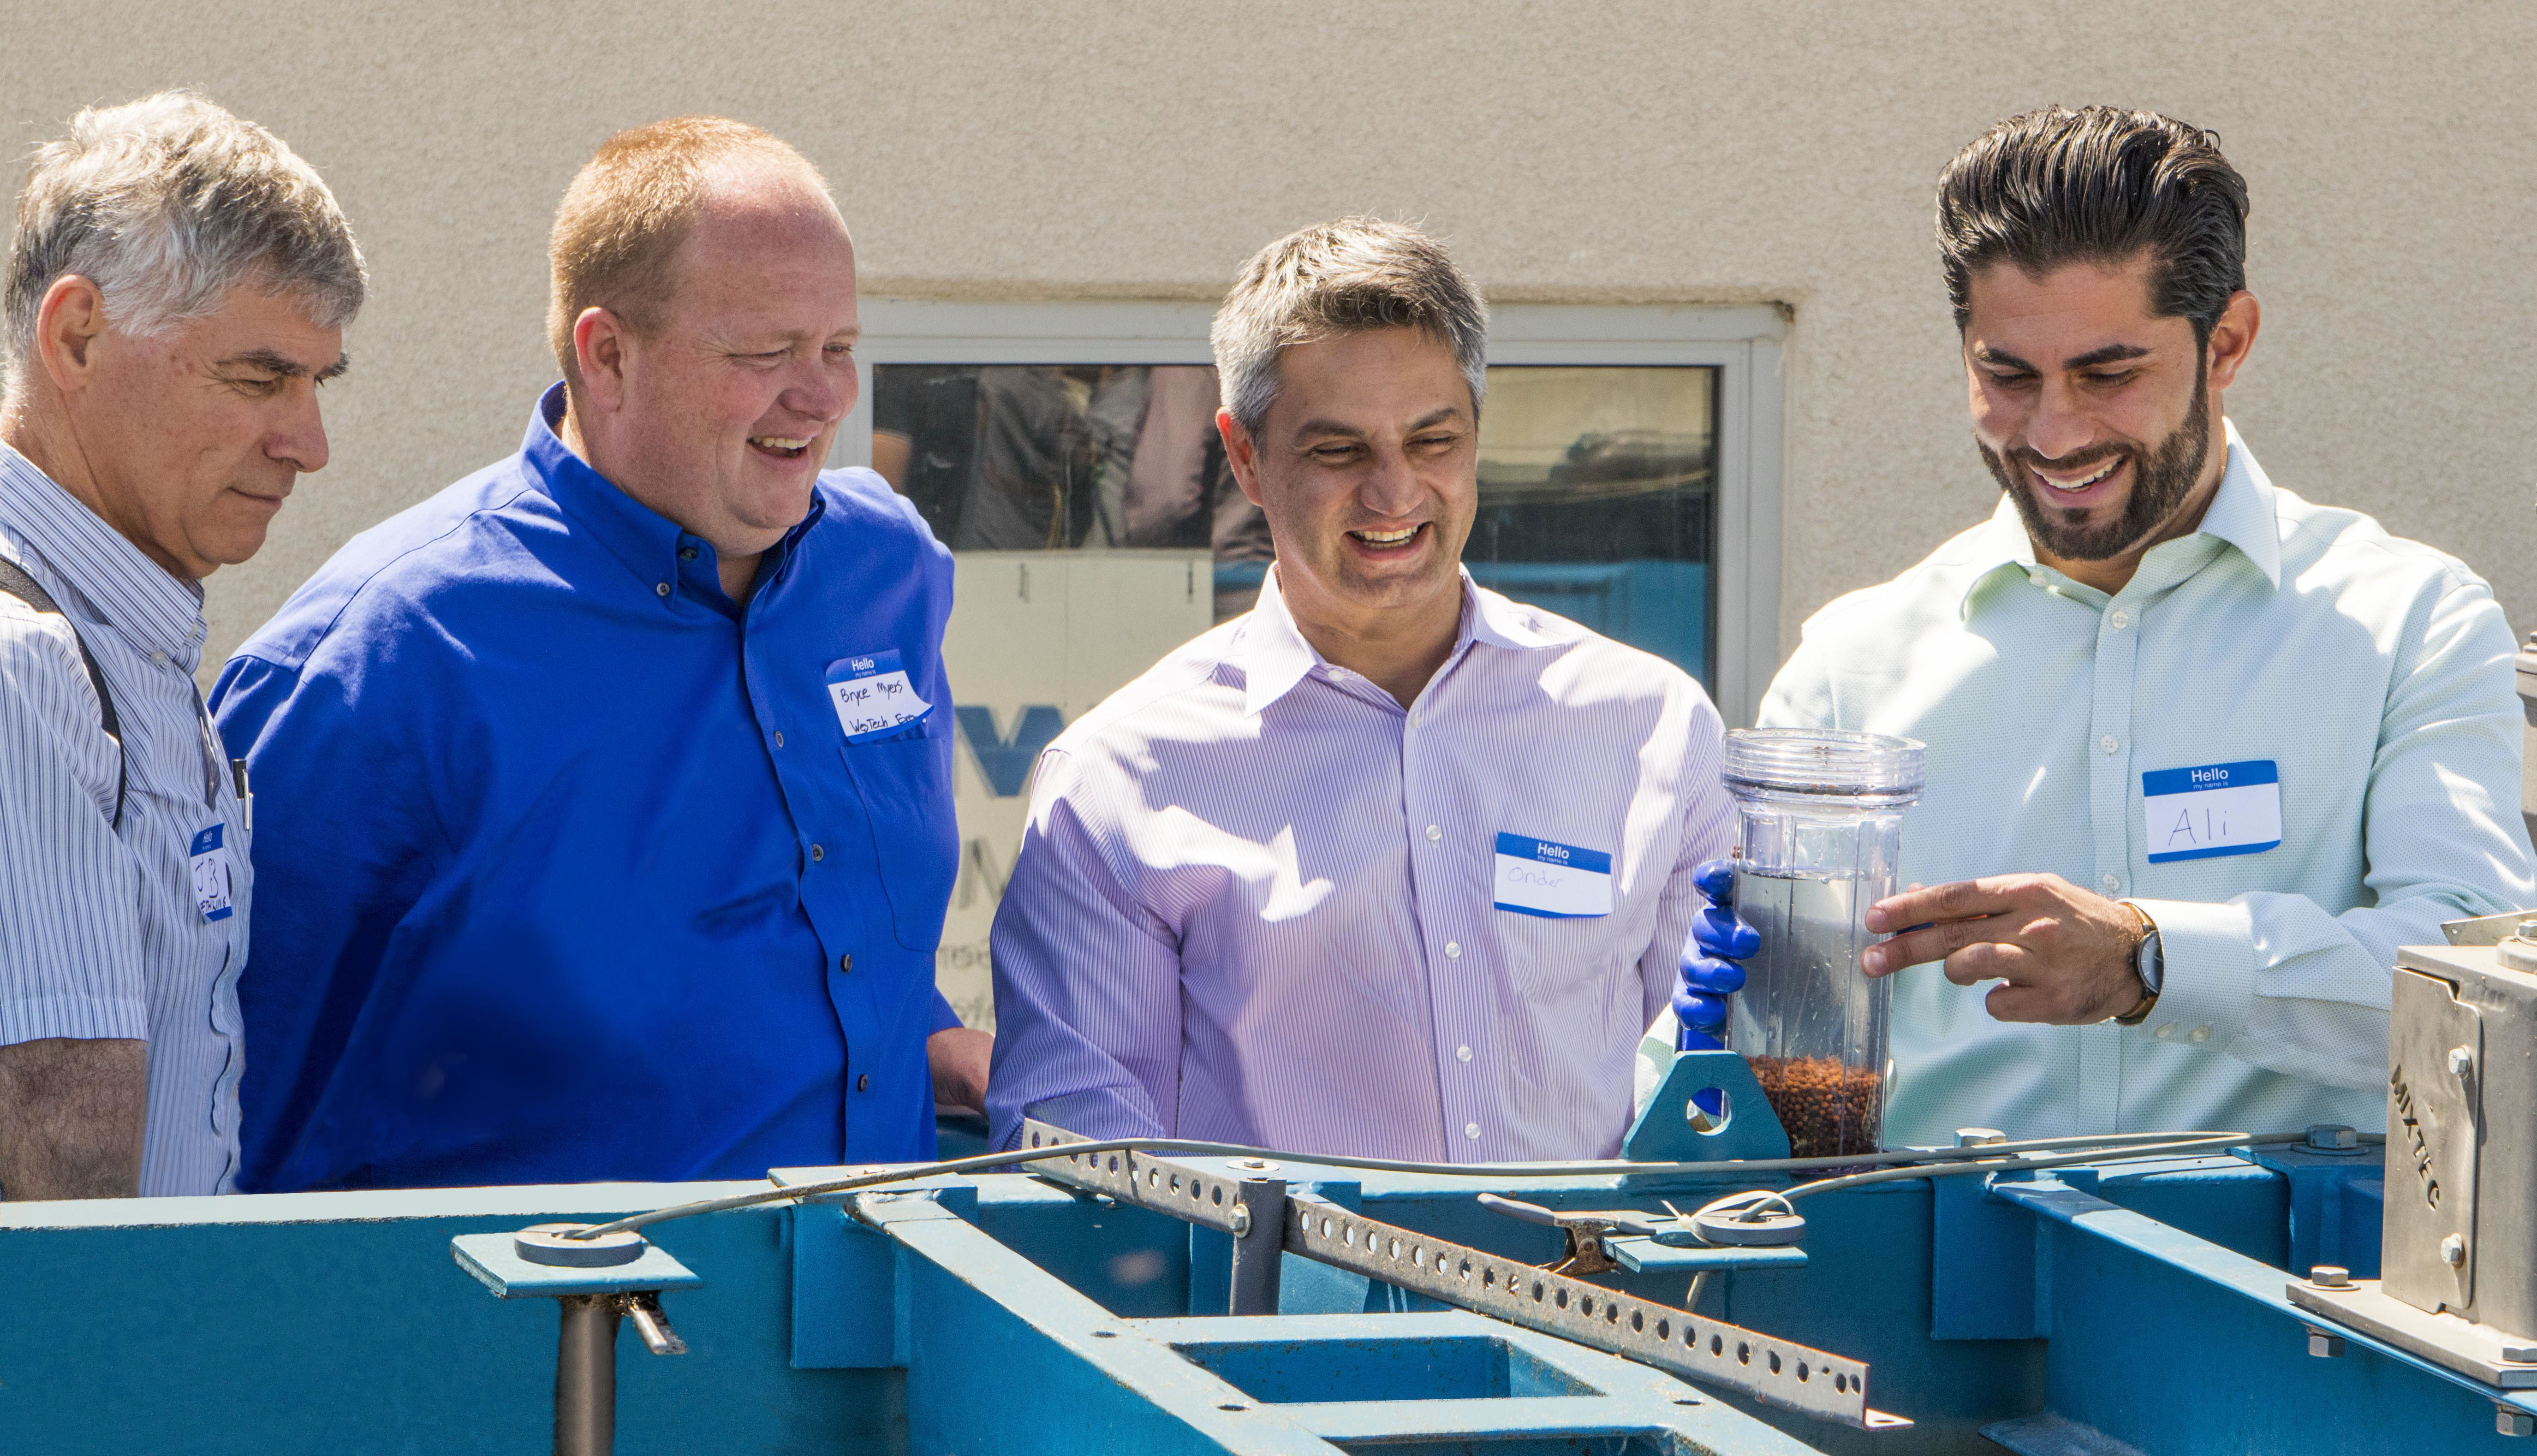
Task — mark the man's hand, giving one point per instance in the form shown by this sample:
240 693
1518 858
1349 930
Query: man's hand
958 1057
71 1115
2064 954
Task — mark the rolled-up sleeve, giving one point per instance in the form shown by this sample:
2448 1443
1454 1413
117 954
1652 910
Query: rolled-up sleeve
1087 979
69 897
2276 980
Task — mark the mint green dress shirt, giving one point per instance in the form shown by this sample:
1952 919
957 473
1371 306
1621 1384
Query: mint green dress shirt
2375 672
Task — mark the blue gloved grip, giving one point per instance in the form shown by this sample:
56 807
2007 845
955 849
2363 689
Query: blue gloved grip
1708 971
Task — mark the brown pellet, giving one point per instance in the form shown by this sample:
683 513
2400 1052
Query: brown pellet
1828 1108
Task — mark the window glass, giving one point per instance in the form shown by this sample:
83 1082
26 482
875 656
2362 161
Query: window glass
1096 526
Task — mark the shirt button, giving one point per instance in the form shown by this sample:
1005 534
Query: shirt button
2118 619
864 1083
661 588
1462 1053
779 737
2110 743
845 963
158 659
2114 882
1470 1129
1452 950
1434 834
687 553
2201 1034
817 854
2167 1030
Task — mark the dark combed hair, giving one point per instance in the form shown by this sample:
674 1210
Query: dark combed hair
2098 185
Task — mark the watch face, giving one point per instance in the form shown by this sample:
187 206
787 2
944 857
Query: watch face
2149 964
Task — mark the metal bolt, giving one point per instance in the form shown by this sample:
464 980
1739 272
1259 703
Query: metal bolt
2461 1061
1250 1165
2454 1251
1979 1137
1240 1219
2512 1421
2519 1355
2527 930
2324 1344
2330 1277
2329 1137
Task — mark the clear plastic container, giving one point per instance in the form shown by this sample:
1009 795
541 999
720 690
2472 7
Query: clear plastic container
1822 833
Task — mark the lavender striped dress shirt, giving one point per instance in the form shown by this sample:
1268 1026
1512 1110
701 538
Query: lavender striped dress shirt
1257 901
101 934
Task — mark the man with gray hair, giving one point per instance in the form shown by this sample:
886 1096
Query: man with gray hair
1389 865
178 289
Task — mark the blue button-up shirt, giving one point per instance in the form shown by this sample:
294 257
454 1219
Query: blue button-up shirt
567 871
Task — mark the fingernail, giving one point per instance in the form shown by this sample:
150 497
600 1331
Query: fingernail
1874 959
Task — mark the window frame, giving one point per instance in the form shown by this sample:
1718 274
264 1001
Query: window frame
1744 343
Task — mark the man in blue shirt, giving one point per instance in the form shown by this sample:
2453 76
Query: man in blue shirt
605 798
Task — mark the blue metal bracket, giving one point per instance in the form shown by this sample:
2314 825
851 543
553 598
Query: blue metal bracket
493 1262
1663 1132
1648 1256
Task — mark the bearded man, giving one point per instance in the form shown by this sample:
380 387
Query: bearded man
2201 754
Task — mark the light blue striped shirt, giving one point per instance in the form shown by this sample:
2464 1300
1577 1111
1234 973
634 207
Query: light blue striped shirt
101 934
2372 672
1257 901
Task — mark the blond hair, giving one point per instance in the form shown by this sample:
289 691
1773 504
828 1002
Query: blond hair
617 231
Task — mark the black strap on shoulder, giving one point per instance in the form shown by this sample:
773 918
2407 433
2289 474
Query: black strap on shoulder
14 582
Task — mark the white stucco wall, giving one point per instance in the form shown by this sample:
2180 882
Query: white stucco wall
1755 151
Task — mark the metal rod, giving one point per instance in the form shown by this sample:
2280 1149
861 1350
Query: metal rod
1259 1246
585 1400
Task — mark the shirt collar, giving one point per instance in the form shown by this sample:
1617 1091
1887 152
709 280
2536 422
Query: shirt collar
648 543
2240 515
113 578
1274 656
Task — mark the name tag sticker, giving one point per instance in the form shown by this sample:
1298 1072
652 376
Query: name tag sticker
2221 809
873 695
1560 882
214 884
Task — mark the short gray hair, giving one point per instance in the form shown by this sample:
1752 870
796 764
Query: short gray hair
1353 276
166 202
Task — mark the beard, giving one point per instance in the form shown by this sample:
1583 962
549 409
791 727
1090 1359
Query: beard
2161 480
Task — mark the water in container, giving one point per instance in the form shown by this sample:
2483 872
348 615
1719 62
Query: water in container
1822 815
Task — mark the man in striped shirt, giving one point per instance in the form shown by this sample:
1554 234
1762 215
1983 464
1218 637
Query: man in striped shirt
1391 866
176 290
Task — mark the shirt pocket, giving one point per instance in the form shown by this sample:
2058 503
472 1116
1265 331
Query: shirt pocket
1574 972
905 785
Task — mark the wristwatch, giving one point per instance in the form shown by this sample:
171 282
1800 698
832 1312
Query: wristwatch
2148 963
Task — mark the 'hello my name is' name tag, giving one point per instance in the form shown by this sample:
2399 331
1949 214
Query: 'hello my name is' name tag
1561 882
872 696
2221 809
215 884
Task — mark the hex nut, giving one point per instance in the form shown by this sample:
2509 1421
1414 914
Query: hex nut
2512 1421
1979 1137
2324 1345
2461 1061
2330 1277
2330 1137
2453 1250
2518 1353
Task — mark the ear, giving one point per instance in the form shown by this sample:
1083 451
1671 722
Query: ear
68 324
2233 337
1241 454
600 345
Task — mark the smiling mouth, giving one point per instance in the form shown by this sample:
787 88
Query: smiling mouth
2073 487
780 446
1384 541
